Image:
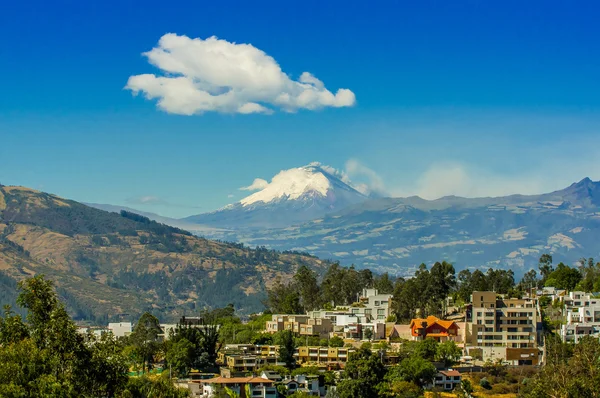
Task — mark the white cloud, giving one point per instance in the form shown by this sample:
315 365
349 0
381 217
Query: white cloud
216 75
147 200
257 185
371 181
230 196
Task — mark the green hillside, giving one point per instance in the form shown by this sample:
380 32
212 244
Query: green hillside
105 264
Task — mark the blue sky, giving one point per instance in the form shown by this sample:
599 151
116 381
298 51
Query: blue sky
470 98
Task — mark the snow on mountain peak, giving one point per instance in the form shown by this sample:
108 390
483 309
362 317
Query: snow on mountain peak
292 184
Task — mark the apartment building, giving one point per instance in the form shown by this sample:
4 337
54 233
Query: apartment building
326 355
376 306
303 325
247 358
582 315
574 332
499 324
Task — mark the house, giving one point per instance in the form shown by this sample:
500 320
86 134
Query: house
307 384
432 327
447 380
398 332
244 387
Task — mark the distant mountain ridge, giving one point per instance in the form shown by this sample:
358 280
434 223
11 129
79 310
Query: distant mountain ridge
397 234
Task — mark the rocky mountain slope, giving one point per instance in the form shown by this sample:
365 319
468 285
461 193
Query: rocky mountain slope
396 235
105 263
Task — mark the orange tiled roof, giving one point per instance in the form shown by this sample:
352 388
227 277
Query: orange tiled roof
430 320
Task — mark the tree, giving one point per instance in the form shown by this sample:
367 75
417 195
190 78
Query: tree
285 340
362 376
406 299
180 355
384 284
529 280
448 352
12 328
47 357
570 370
284 299
144 339
545 267
427 349
336 341
331 286
563 277
368 334
306 282
414 370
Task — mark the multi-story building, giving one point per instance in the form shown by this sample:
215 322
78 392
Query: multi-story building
247 358
326 355
299 324
574 332
500 324
578 299
377 306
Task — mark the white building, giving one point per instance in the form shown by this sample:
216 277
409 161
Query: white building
377 306
120 329
447 380
574 332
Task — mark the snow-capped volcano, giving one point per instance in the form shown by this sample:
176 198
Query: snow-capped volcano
295 195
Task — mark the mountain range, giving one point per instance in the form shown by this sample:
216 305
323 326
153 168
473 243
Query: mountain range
314 209
109 263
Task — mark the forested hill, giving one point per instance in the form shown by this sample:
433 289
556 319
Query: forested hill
105 264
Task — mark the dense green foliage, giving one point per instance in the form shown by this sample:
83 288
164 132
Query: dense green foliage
571 370
424 294
46 356
338 286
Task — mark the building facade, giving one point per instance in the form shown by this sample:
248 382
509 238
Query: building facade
499 324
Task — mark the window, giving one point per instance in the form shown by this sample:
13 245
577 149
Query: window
377 303
479 313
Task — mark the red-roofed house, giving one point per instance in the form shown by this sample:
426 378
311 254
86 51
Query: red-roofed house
432 327
447 379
